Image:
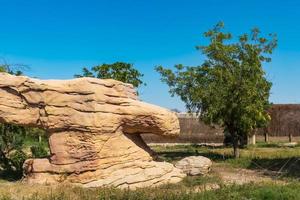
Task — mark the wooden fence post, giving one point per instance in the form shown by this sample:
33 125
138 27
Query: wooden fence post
290 137
266 137
253 139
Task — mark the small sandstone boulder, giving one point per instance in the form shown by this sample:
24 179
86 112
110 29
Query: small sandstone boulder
194 165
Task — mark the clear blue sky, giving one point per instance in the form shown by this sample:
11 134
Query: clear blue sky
57 38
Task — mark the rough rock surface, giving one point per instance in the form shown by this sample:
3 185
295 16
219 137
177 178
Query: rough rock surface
94 129
194 165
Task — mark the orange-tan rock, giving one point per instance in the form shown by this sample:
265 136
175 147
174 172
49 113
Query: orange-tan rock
94 129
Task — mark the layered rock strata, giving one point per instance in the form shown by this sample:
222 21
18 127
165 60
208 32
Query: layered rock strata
94 129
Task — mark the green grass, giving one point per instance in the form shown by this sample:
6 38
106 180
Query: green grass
192 181
270 157
233 192
251 191
285 161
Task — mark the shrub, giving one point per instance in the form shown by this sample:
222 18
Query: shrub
39 151
11 144
17 160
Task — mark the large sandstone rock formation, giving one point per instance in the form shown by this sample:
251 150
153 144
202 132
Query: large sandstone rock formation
94 131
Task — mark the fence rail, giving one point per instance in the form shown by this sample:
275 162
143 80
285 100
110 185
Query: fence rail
285 122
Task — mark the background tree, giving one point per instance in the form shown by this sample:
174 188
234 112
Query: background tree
120 71
11 145
230 88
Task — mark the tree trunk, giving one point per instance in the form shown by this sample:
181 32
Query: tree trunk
244 140
40 139
236 151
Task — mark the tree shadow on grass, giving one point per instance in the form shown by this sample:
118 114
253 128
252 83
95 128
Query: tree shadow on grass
279 167
273 167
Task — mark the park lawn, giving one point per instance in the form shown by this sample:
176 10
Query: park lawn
272 158
281 161
232 192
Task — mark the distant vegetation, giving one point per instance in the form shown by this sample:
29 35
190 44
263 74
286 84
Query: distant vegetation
15 70
120 71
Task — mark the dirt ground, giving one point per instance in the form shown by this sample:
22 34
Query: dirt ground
241 176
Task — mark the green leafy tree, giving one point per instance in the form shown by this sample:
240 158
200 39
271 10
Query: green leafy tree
38 151
120 71
230 88
11 144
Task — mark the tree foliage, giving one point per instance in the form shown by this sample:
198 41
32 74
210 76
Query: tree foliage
11 144
120 71
38 151
230 88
